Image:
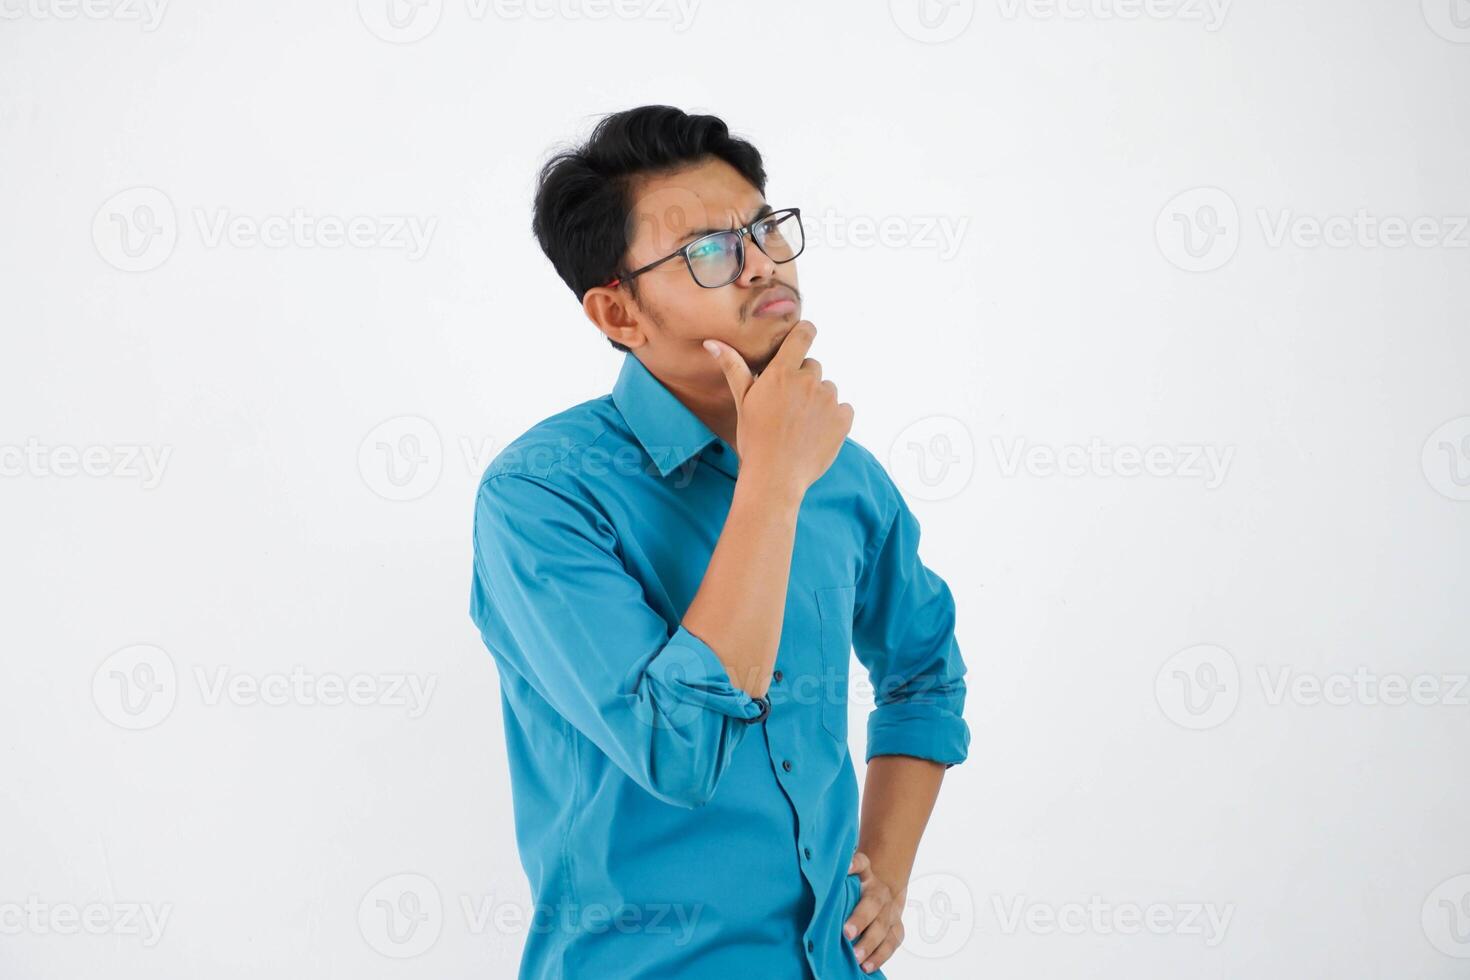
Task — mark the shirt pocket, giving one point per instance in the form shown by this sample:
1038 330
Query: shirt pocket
834 607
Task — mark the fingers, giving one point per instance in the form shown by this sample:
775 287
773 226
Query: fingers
873 929
885 949
737 372
874 937
865 910
793 349
864 920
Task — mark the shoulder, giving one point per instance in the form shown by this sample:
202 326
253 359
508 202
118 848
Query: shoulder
858 467
535 489
858 485
547 451
540 477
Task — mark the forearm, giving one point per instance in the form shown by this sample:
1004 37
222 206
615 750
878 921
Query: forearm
741 603
898 796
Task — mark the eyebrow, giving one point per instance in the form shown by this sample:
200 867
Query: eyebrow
760 212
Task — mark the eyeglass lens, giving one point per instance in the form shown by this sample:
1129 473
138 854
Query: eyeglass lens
717 259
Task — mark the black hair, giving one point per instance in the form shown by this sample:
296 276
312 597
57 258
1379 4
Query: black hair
583 194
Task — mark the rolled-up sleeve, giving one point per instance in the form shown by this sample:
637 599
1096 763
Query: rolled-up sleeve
562 612
904 633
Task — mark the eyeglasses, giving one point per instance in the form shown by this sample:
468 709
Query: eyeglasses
717 259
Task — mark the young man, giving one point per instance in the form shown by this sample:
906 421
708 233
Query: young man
672 579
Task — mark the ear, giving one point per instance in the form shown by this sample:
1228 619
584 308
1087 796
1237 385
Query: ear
610 309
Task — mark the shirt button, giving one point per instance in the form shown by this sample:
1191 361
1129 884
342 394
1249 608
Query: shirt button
808 852
786 764
777 676
810 946
717 448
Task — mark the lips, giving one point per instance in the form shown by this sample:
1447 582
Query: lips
778 300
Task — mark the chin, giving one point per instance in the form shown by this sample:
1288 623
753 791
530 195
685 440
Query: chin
779 335
757 362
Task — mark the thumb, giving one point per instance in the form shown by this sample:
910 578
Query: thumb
737 372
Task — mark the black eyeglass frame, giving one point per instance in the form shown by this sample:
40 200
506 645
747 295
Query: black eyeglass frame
740 234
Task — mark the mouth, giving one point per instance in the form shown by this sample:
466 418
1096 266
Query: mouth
780 301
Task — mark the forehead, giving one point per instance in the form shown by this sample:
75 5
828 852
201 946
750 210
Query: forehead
667 207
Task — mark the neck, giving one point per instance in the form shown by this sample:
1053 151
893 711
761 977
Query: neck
706 395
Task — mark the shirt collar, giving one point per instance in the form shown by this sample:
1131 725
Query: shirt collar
668 431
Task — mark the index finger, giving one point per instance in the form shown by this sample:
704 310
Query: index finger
793 349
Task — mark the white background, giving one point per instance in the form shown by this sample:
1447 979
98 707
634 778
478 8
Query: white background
1130 193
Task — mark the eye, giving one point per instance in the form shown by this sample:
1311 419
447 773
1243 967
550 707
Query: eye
706 249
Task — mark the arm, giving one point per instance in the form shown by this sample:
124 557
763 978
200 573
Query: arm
558 609
903 631
898 795
564 614
741 604
789 428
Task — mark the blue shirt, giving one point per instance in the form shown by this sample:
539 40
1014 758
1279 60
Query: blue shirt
671 826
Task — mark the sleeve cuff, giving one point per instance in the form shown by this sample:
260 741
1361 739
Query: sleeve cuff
688 671
927 731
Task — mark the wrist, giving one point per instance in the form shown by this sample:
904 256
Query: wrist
888 868
769 487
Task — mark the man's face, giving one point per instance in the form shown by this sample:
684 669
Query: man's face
675 313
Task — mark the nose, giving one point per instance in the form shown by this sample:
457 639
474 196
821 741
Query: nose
758 265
